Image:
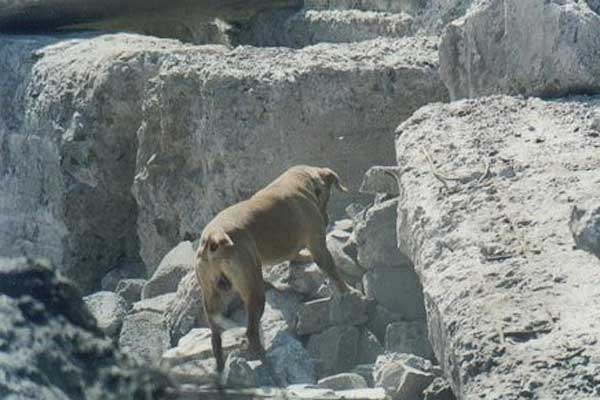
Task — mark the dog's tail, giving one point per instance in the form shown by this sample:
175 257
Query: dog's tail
332 178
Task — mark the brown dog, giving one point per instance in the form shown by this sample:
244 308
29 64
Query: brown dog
273 226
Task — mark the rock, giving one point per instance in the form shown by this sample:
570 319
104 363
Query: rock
346 225
309 27
51 347
397 289
182 19
304 278
585 227
109 309
335 350
196 372
341 246
313 316
130 290
344 381
377 180
317 315
66 170
381 319
174 266
111 280
159 304
170 178
375 236
289 361
186 310
79 209
497 315
144 336
366 371
403 376
369 347
238 373
520 47
408 337
439 390
196 345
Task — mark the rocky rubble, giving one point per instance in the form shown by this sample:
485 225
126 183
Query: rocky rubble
51 346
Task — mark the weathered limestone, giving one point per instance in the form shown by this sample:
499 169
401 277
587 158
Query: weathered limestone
317 315
509 298
51 346
408 337
130 290
174 266
309 27
144 336
585 226
109 309
403 376
260 111
344 381
528 47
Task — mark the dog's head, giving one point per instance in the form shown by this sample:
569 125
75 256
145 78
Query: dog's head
214 244
326 179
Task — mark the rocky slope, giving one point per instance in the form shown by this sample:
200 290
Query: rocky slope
51 347
478 250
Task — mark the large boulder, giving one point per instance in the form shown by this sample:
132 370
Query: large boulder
109 309
51 347
488 190
529 47
68 148
174 266
239 118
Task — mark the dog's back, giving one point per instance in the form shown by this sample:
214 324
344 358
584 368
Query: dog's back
280 218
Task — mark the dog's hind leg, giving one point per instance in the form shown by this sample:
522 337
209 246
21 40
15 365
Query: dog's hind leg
213 310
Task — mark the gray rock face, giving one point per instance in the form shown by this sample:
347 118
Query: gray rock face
343 250
397 289
181 19
317 315
522 47
408 337
185 310
111 280
379 179
51 347
438 390
344 381
159 304
67 168
505 290
381 319
309 27
375 235
403 376
585 226
109 309
335 350
229 107
93 135
144 336
171 270
130 290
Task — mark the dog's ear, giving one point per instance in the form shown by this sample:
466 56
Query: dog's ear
331 178
214 241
